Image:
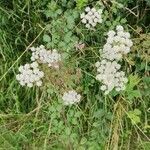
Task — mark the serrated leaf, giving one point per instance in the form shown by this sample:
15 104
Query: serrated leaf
134 94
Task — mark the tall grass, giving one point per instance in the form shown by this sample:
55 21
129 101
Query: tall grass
35 119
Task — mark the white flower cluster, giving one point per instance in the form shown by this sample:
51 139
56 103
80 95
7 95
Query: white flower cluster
71 97
118 43
30 75
52 57
91 17
110 76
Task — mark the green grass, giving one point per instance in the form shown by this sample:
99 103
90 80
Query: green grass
35 119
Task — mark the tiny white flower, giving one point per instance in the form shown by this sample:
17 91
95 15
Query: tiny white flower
21 68
116 38
111 33
100 20
119 28
91 21
103 61
93 24
96 14
127 35
88 26
130 43
90 13
87 9
29 71
84 20
126 50
22 83
41 74
103 87
125 80
39 83
97 64
31 79
42 47
110 40
121 33
36 78
87 17
30 85
32 49
18 77
36 57
93 10
82 15
118 56
32 58
118 89
95 20
36 70
34 65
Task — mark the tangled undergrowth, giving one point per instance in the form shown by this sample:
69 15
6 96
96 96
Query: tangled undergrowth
83 71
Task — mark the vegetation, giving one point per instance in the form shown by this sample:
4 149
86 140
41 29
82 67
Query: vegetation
34 118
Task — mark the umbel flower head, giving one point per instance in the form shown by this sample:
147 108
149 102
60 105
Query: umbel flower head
71 97
110 76
118 44
91 17
30 75
52 57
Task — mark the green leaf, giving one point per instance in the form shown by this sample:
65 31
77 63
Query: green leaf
133 94
134 116
75 14
130 91
135 120
59 11
137 111
133 81
108 23
46 38
123 21
81 3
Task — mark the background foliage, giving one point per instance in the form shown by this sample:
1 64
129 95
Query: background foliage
35 118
